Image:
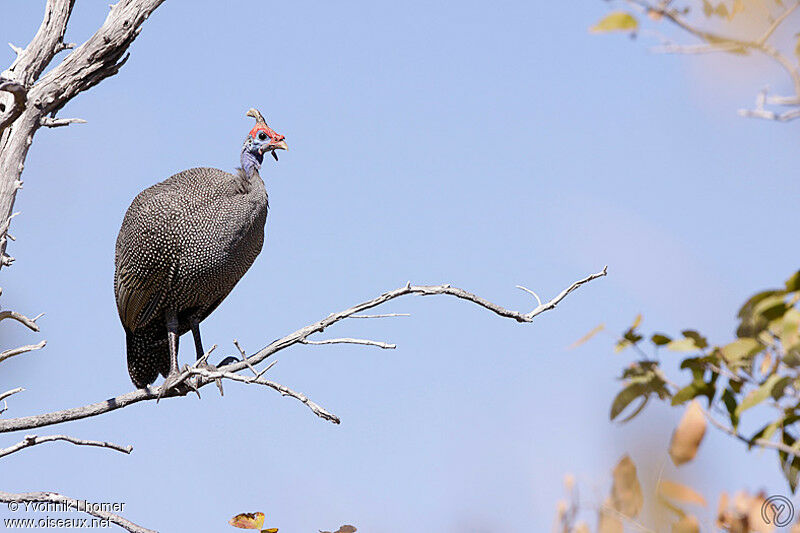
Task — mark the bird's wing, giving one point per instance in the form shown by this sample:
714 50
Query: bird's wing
144 265
139 297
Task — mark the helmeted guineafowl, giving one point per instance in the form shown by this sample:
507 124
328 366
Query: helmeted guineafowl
183 245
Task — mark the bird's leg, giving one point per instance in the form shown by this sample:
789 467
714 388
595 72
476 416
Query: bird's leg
198 346
173 378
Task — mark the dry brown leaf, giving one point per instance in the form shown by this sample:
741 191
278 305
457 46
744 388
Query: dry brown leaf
754 518
687 524
583 527
679 492
688 435
607 521
722 511
626 492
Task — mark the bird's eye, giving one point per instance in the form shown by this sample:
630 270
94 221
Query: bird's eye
262 136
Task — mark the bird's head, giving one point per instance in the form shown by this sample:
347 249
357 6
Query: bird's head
262 138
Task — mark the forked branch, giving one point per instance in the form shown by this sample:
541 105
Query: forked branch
230 371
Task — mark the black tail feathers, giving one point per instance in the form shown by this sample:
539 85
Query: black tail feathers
148 355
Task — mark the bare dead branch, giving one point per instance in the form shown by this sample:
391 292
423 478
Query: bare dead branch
366 342
212 375
73 504
153 393
39 95
22 319
20 98
385 315
59 122
33 440
22 349
6 394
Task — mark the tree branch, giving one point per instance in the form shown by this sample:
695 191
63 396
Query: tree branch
77 505
22 349
205 377
366 342
715 42
33 440
35 98
22 319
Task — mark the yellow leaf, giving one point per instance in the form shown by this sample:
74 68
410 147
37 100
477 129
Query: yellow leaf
738 7
679 492
616 21
585 338
270 530
688 435
687 524
248 520
626 492
607 521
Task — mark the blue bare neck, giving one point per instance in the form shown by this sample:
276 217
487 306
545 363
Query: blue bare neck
251 162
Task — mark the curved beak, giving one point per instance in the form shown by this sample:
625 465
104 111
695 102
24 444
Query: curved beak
280 145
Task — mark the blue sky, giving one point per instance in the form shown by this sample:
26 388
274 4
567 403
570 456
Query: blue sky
482 145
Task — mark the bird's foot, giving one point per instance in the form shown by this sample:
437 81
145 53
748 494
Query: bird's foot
179 382
204 364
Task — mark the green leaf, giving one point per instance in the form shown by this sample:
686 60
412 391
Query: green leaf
698 339
793 283
789 330
757 396
626 396
771 307
780 385
682 345
729 399
616 21
741 350
693 390
660 340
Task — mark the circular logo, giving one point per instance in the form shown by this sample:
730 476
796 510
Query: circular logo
777 510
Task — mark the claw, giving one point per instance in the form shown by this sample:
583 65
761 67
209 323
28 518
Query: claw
179 382
211 368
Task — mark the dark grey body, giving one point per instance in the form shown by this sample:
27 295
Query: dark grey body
183 246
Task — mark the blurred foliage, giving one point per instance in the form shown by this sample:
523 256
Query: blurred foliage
743 513
739 27
761 367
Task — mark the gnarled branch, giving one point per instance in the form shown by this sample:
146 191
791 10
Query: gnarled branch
38 97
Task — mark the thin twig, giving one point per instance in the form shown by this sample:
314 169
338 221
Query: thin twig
72 504
59 122
366 342
285 391
33 440
6 394
22 349
22 319
386 315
